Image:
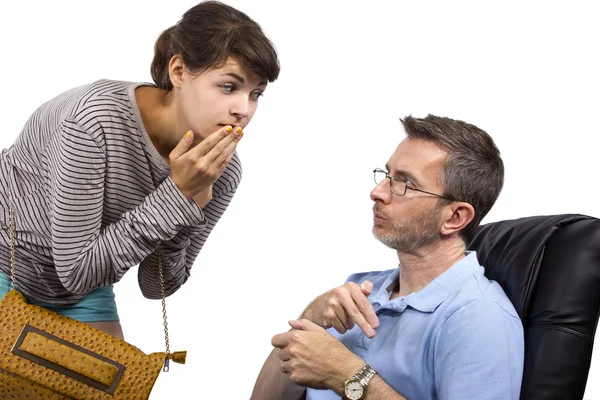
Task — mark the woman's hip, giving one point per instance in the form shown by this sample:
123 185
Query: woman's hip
97 306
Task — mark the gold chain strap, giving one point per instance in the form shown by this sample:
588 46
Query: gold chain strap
12 247
160 276
164 309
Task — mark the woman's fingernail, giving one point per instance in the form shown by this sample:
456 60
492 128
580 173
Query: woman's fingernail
240 135
238 130
228 129
188 134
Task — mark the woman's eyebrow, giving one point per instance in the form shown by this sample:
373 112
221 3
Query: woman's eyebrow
236 76
241 79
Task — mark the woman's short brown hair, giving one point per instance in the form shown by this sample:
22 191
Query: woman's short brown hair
206 36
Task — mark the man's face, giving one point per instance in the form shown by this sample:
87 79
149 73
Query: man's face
410 222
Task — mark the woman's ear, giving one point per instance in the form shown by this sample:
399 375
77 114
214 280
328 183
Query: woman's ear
176 70
458 217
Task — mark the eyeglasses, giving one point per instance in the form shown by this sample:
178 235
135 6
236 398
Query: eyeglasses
399 186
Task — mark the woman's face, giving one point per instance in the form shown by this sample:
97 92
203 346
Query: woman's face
227 95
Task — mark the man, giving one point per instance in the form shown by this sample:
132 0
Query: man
433 328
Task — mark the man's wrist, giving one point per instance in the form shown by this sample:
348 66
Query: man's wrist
345 371
306 314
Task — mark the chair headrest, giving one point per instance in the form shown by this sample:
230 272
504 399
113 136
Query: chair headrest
514 251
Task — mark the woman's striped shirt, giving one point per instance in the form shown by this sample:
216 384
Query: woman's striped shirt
92 198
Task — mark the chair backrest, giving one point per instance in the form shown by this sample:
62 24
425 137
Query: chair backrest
549 266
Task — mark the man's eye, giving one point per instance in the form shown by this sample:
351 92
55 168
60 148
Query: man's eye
404 180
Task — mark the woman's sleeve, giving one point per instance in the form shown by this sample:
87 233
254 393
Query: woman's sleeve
88 254
180 252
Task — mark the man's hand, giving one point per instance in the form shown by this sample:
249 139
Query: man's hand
313 358
344 306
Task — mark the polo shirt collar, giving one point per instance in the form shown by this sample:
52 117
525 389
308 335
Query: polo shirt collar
438 290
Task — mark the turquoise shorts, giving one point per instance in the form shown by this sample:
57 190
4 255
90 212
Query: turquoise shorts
97 306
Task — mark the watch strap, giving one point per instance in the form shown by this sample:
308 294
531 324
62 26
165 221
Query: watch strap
365 374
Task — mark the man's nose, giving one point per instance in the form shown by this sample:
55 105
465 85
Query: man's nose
381 192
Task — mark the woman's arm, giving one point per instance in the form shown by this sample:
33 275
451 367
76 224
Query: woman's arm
181 251
88 254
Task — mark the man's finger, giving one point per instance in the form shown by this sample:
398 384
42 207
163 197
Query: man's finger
366 309
360 320
366 287
354 302
281 340
348 321
284 354
344 319
305 325
361 312
338 325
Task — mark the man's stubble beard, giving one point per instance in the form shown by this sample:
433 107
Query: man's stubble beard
409 236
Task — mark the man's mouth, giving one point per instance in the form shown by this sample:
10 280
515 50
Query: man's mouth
378 214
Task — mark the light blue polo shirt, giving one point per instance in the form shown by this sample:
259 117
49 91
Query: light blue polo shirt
457 338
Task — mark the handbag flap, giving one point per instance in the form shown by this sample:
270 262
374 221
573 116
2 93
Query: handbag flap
71 346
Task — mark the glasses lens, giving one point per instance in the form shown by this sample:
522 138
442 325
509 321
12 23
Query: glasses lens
379 176
398 187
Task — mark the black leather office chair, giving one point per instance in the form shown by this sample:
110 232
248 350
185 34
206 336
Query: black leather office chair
549 266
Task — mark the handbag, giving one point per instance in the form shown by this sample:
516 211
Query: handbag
46 355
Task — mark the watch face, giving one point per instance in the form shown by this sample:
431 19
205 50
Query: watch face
354 390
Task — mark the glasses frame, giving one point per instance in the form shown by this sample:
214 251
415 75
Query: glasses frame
406 186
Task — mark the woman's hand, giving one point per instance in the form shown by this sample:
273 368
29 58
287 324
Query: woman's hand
195 170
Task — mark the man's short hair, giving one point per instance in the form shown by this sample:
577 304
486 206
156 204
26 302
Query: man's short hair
473 172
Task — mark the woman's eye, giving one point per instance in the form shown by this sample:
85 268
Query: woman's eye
227 88
255 95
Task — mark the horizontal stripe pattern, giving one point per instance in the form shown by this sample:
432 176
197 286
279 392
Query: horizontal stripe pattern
93 198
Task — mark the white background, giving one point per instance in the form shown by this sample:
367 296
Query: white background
526 72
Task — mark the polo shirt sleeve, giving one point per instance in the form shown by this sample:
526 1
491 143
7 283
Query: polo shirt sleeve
478 354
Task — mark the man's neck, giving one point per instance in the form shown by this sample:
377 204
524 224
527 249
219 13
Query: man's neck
419 268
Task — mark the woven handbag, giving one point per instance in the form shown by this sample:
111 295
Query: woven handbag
45 355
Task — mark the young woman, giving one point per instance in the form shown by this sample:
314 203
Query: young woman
109 175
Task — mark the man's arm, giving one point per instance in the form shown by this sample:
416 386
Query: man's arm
314 358
339 308
273 384
379 390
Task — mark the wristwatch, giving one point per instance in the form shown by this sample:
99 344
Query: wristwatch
355 388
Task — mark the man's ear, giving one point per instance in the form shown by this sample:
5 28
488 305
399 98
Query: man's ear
459 215
176 70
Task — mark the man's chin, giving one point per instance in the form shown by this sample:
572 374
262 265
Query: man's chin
383 238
